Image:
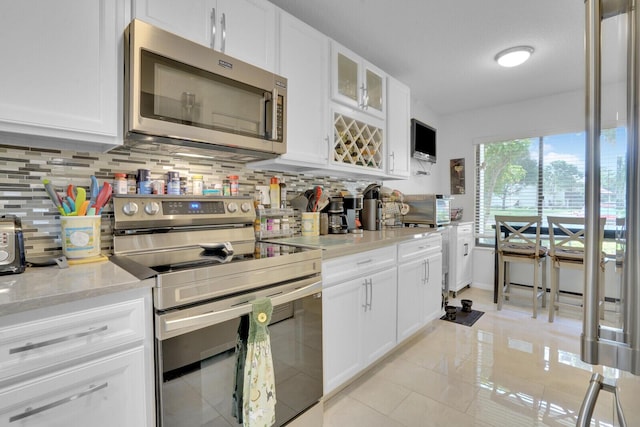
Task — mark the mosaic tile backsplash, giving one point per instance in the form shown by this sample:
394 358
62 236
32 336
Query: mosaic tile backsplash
22 192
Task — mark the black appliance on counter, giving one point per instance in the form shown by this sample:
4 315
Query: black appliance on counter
337 216
208 267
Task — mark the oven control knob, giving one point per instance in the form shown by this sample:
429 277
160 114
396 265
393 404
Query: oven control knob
130 208
152 208
232 207
245 207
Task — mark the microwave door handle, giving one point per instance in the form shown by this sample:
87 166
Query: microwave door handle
223 25
274 114
213 28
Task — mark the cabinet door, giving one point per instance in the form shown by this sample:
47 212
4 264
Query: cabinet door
191 19
304 54
341 317
411 297
375 90
379 318
105 392
433 295
62 70
346 78
247 31
398 129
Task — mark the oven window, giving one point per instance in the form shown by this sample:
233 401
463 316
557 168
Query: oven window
198 375
179 93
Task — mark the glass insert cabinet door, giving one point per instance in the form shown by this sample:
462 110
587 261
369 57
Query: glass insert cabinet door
357 83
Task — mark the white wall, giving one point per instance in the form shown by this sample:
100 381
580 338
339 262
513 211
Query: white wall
423 184
458 133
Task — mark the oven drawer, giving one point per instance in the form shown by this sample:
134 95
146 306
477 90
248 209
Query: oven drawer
338 270
38 344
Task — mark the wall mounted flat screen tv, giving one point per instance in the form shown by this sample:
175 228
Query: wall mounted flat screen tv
423 141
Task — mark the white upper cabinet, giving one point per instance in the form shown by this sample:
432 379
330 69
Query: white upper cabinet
244 29
61 80
304 58
398 129
356 82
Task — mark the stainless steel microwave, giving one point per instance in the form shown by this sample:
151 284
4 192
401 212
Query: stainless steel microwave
431 209
187 94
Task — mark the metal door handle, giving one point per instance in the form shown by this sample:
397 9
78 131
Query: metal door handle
32 411
274 114
364 262
371 294
31 346
213 28
466 249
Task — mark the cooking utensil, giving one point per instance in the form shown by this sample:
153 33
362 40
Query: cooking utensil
81 196
55 198
94 189
103 196
318 194
71 192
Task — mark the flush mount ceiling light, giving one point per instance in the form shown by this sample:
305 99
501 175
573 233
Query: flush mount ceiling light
514 56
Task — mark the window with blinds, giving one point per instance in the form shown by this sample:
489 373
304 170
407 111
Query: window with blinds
546 176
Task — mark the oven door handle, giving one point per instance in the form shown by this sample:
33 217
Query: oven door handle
173 324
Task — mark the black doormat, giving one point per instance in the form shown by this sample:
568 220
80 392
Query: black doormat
465 318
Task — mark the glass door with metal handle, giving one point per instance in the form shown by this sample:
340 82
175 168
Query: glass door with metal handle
615 342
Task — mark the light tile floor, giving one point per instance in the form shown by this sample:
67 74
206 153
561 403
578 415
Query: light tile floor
507 370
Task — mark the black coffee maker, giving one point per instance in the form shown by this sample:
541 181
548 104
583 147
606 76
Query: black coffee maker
337 218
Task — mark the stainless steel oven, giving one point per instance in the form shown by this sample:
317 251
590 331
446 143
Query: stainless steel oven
208 268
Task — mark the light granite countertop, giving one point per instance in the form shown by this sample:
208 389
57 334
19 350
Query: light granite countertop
39 287
337 245
45 286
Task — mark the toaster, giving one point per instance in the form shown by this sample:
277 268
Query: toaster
12 259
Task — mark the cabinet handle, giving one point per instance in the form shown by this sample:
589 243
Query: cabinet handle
427 265
371 293
393 160
466 249
223 24
213 28
30 346
366 294
364 104
364 262
32 411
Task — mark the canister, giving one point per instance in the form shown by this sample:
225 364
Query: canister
132 186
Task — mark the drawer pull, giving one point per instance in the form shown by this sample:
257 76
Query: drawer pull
30 411
364 262
30 346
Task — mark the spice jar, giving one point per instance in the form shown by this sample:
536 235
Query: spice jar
120 183
144 181
198 185
234 184
173 183
132 188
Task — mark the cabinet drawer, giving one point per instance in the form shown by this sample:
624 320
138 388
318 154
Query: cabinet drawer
50 340
419 248
106 392
464 229
344 268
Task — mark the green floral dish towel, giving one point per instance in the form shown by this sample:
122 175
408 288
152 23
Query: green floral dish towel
259 402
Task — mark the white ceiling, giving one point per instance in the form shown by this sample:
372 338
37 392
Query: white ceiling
444 50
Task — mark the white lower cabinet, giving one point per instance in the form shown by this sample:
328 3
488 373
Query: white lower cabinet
359 313
419 284
109 391
89 362
461 261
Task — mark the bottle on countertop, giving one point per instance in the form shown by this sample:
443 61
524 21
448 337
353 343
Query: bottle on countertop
274 193
120 183
283 194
